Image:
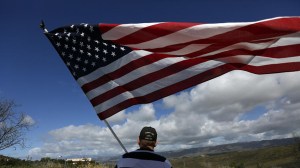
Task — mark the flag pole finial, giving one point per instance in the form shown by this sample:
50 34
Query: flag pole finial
42 26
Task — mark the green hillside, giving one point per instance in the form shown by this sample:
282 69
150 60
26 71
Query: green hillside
273 157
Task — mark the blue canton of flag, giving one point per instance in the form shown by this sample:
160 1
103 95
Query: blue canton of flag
83 50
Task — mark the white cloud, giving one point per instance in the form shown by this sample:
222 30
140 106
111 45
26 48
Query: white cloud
28 120
208 114
117 118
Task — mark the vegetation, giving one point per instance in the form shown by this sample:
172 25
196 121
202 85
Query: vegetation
279 157
7 162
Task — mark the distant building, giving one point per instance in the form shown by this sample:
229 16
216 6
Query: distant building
80 159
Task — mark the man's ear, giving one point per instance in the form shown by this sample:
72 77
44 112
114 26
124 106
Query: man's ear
138 140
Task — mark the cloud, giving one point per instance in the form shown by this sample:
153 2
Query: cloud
144 113
77 140
28 120
85 140
117 118
209 114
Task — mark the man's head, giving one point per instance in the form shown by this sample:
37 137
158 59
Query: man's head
148 137
148 133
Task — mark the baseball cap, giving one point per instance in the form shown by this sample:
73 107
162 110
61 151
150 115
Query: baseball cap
148 133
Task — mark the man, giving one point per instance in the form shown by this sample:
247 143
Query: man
145 157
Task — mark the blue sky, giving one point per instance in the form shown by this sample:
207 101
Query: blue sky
33 75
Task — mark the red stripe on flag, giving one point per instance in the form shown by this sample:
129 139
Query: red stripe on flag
273 68
282 51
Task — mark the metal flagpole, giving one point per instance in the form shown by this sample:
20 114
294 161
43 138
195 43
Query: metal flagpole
42 26
112 131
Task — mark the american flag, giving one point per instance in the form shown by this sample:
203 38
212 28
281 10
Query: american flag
120 65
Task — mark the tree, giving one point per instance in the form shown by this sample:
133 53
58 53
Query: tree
13 125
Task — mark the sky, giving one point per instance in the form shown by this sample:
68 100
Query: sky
235 107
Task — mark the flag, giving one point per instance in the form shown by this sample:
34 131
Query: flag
120 65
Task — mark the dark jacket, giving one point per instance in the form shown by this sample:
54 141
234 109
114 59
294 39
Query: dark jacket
143 158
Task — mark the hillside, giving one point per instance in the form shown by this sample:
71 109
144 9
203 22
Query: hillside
242 146
287 156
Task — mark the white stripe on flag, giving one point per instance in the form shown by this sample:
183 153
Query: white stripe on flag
261 61
285 41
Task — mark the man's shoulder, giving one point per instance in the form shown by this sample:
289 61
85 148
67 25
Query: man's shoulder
144 155
146 158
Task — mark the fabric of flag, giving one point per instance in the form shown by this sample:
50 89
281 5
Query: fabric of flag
120 65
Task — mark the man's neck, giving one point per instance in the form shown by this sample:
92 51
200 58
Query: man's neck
150 148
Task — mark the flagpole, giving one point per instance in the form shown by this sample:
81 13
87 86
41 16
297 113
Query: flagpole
112 131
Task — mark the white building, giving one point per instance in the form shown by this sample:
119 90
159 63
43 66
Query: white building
79 159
